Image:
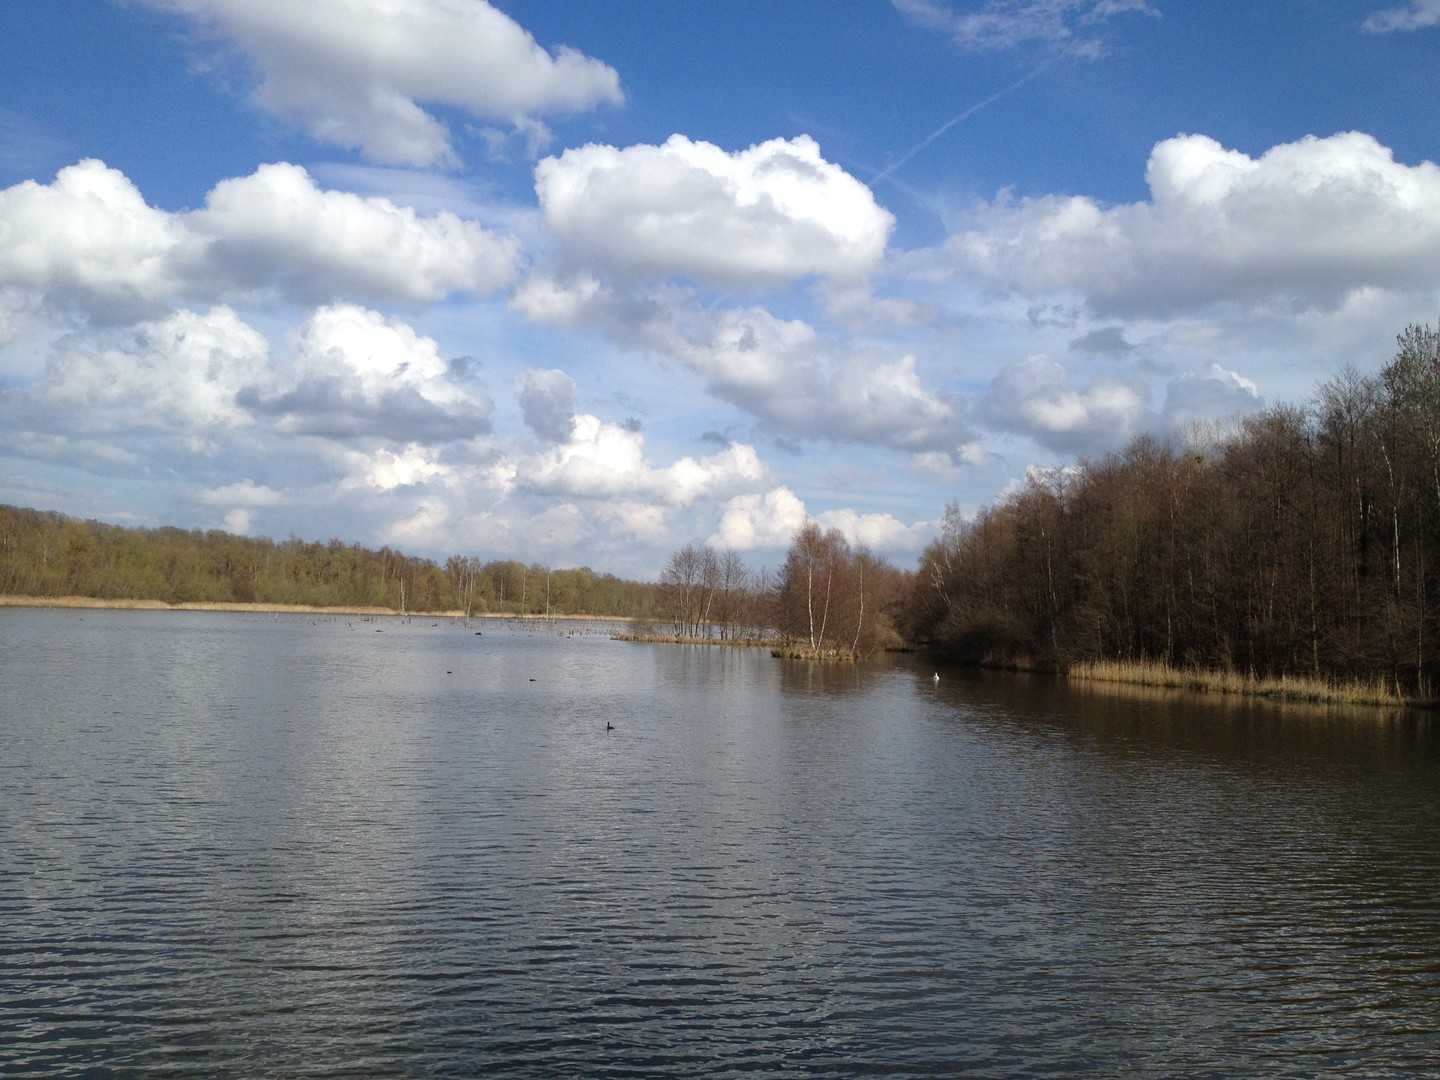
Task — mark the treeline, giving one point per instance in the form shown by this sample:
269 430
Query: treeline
1307 542
45 554
829 600
705 594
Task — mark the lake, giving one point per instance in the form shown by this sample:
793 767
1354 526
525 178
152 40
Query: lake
254 845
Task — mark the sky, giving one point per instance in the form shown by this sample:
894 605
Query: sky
580 283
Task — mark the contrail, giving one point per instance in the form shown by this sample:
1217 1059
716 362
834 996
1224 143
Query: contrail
943 128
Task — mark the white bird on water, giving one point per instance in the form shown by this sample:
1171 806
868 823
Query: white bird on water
937 676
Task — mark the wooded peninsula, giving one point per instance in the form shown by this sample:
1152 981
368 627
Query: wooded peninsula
1299 547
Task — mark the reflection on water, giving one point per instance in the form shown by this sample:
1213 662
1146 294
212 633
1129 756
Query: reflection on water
234 845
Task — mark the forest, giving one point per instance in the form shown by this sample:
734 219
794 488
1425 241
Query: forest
1301 541
828 601
1306 541
45 554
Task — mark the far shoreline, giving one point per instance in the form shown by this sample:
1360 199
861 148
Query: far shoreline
99 604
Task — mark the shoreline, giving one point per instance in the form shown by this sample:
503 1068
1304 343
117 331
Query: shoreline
97 604
1286 688
1128 673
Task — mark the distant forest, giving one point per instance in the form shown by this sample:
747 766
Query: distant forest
45 554
1303 541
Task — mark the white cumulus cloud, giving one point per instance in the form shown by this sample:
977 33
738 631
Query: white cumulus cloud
277 229
376 352
801 384
1305 226
774 212
90 236
244 493
603 461
877 531
89 242
385 468
187 370
1036 398
358 73
360 375
760 520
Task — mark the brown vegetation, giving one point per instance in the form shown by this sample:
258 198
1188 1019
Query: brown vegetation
94 603
835 602
705 595
828 602
1306 543
1285 688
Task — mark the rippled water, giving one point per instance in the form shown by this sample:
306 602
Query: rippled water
245 846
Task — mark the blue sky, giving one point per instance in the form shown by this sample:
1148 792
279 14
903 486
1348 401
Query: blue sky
579 283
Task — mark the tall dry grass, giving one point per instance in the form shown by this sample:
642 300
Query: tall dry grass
160 605
281 609
1285 688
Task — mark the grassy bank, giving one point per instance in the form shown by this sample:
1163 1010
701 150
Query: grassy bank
1285 688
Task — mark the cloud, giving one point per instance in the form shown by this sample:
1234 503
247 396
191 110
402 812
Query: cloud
547 402
760 520
629 222
773 213
355 73
856 306
187 370
879 532
19 313
769 520
1066 26
545 299
427 519
1106 340
1209 393
1415 15
1305 226
245 493
90 236
89 242
800 384
385 468
803 386
239 521
359 400
358 374
276 230
1035 398
607 461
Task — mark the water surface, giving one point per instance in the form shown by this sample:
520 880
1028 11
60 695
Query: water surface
236 845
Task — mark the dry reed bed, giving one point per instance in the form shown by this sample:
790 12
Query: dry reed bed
1286 688
199 605
281 609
